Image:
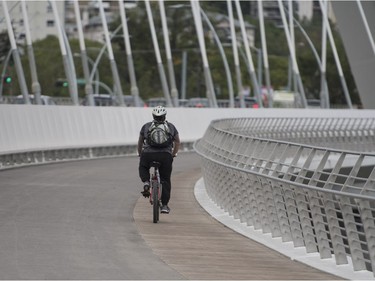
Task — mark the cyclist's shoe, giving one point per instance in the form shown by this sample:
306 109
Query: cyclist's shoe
146 190
165 209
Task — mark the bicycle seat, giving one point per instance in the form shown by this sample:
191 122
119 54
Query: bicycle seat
155 164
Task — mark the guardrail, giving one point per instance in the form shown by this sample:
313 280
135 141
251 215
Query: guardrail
33 134
264 172
349 133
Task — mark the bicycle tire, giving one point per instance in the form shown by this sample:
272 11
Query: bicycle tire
155 202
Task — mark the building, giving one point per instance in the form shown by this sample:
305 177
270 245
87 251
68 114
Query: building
41 19
222 27
90 17
303 10
42 22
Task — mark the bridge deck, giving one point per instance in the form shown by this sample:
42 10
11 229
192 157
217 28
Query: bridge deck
85 220
181 237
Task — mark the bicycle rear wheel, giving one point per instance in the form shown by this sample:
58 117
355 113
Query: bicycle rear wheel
155 202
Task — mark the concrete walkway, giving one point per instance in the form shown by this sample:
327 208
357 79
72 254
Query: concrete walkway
74 221
199 247
86 220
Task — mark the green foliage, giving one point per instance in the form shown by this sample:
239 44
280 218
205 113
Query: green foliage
50 67
278 71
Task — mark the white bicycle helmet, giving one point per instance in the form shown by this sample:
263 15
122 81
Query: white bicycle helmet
159 111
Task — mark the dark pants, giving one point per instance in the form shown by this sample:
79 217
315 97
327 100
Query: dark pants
165 171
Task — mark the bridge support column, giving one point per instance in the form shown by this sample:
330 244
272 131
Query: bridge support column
358 45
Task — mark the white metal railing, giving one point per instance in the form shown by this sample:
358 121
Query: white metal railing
343 133
261 172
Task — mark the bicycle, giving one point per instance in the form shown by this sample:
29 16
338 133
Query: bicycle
155 190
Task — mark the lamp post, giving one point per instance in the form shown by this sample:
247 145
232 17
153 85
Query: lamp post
248 55
67 60
323 83
207 73
292 55
97 75
240 89
99 57
157 54
16 55
35 86
324 95
226 65
265 53
111 56
260 72
83 55
6 61
172 79
133 82
259 56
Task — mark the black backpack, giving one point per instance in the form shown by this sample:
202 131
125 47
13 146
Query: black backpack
158 135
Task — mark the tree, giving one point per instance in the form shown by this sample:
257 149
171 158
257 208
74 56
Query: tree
4 45
183 38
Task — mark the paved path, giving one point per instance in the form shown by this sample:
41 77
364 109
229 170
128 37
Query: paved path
86 220
199 247
74 221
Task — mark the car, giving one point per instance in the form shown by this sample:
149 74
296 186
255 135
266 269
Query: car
223 103
313 103
46 100
198 102
284 99
183 102
101 100
152 102
109 100
250 102
130 101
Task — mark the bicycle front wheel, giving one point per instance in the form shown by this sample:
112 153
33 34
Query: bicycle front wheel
155 204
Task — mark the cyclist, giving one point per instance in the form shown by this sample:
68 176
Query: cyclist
162 154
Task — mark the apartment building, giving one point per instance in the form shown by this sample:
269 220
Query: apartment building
41 18
90 17
42 21
303 10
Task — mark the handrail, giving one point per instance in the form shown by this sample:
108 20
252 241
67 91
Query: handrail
268 173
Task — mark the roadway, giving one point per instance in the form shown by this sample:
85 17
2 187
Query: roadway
86 220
